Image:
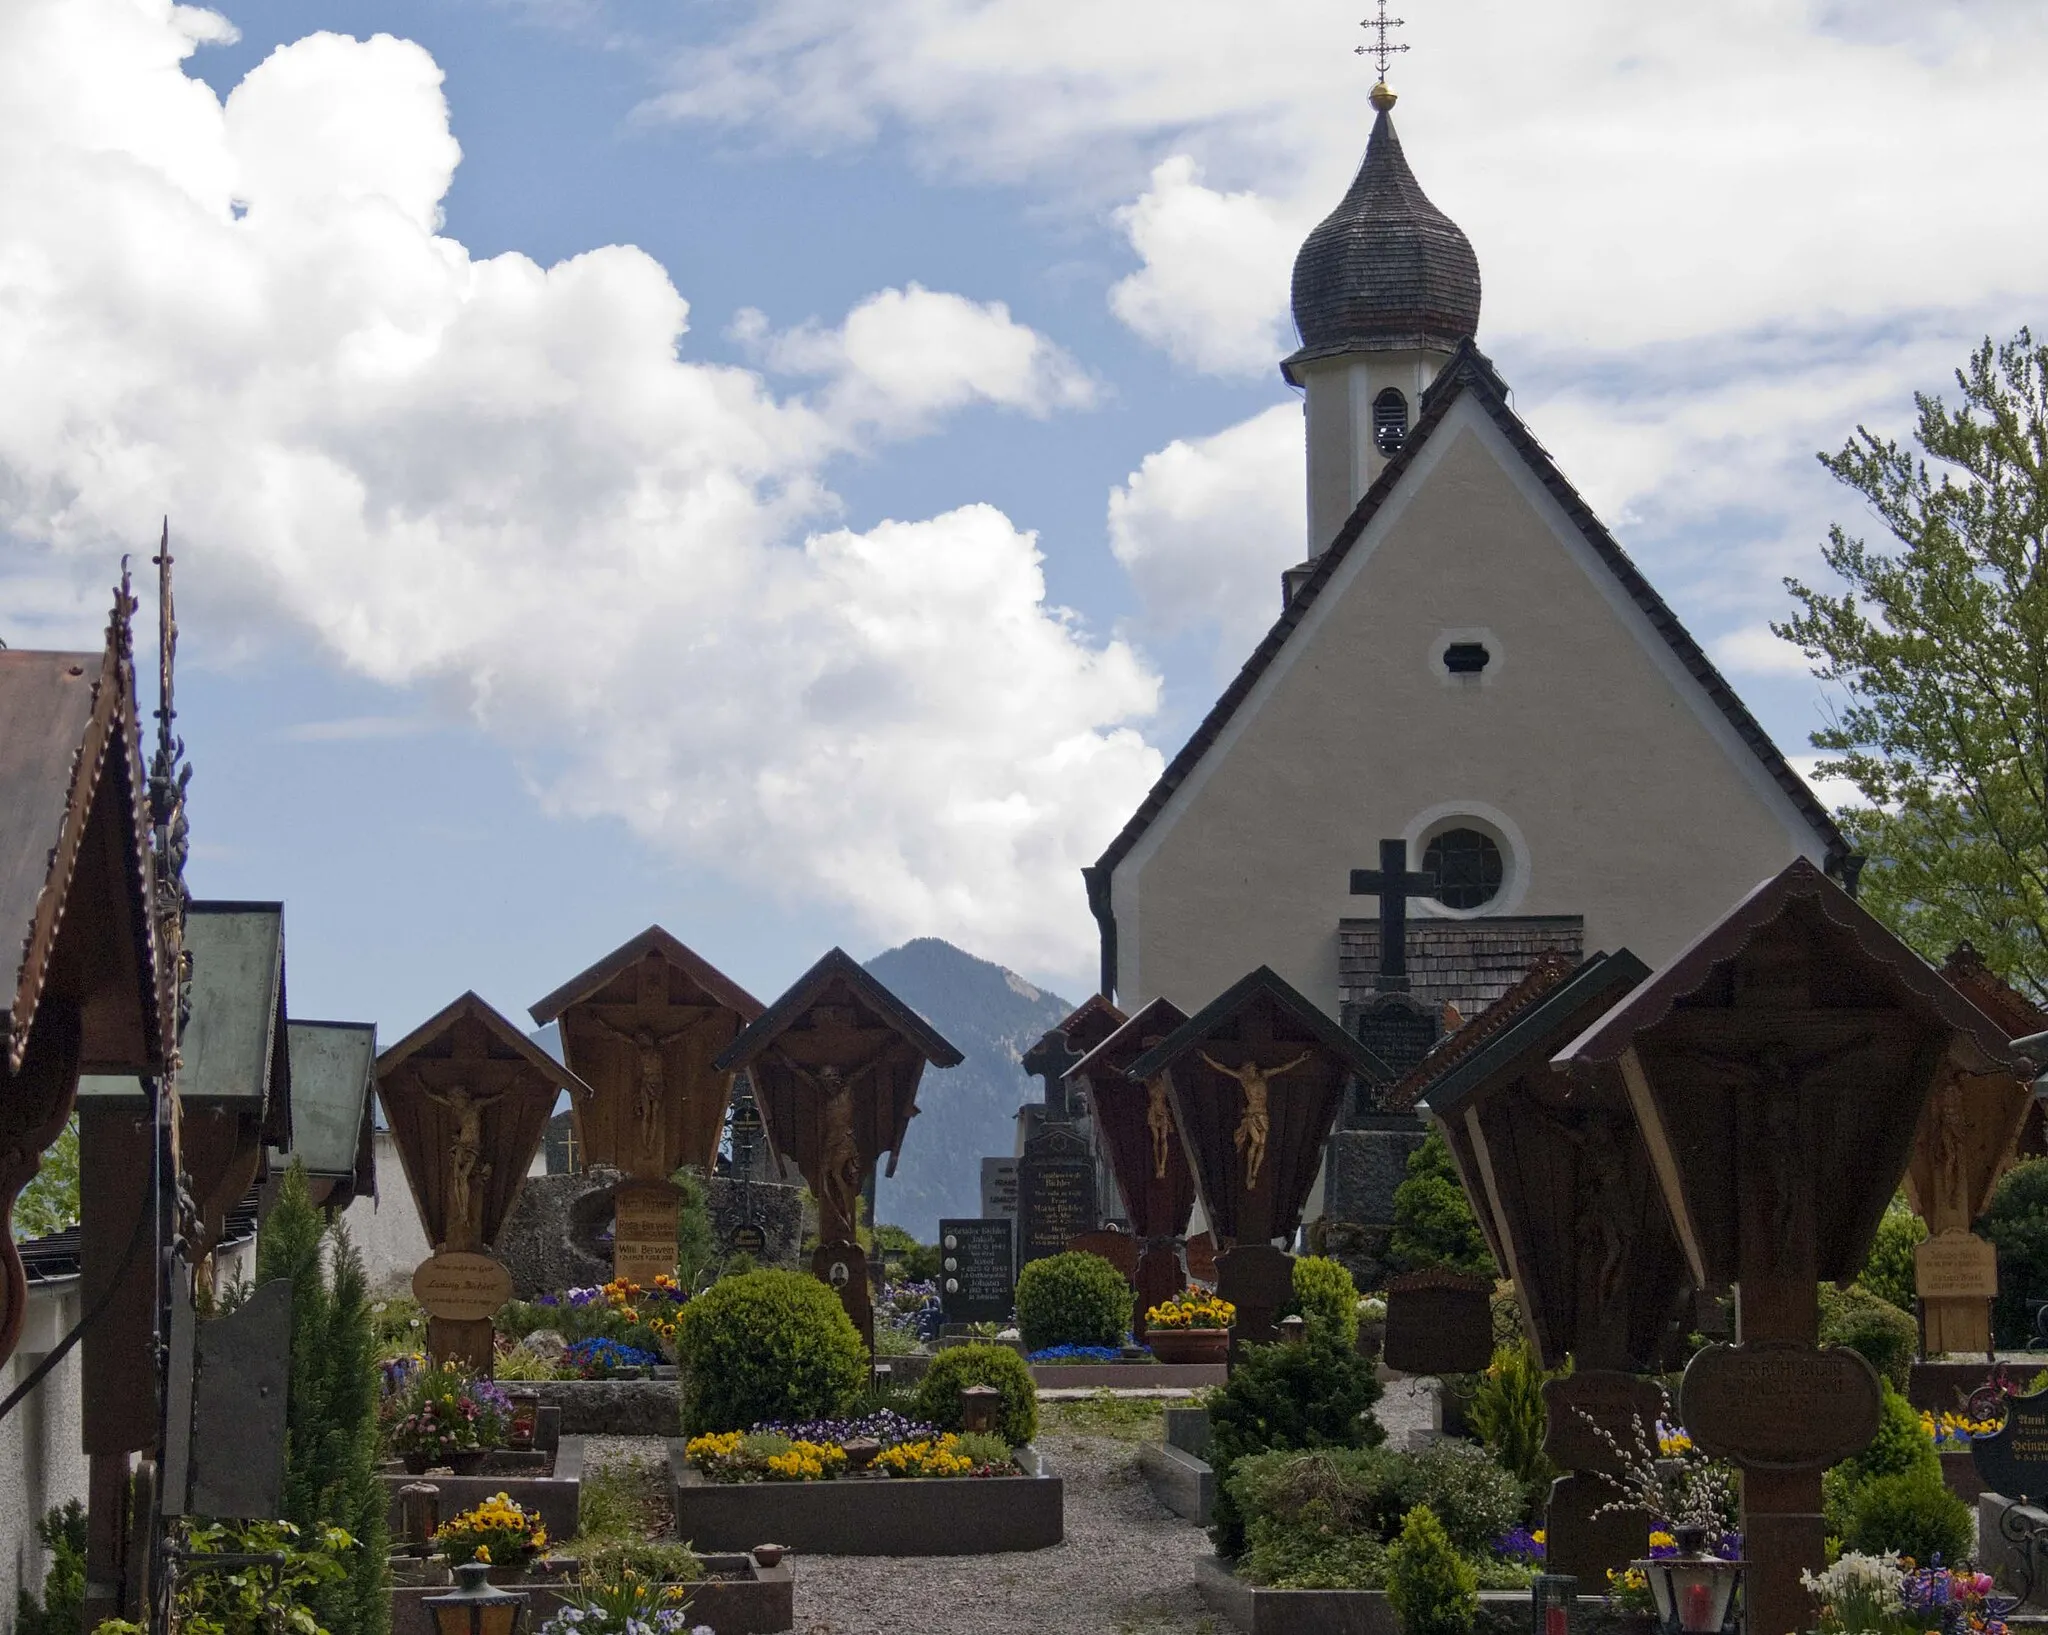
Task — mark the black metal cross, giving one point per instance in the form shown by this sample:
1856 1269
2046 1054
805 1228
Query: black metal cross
1380 49
1393 882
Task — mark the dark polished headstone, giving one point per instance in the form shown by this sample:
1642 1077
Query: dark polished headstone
1439 1322
2014 1462
1055 1193
1399 1029
977 1276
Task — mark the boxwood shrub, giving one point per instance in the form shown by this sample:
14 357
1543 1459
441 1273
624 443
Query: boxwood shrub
766 1345
1072 1299
959 1366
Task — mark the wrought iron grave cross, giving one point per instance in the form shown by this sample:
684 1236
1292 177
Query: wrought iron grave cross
1380 50
1393 882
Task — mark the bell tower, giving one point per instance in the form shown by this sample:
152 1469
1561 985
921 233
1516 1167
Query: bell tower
1384 290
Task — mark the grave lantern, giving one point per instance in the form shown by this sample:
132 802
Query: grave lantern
334 1072
525 1419
1551 1596
419 1511
475 1607
1256 1079
1693 1588
979 1405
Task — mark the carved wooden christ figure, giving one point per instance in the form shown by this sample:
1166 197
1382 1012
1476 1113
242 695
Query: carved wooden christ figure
468 1168
641 1028
1257 1123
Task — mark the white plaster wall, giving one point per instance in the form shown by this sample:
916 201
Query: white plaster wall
387 1230
1635 804
1343 459
41 1463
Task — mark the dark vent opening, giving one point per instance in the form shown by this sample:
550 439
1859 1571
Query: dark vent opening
1466 658
1389 421
1467 866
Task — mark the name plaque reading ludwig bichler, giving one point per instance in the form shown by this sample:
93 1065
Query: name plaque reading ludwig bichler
1955 1265
2014 1462
977 1283
1780 1405
460 1287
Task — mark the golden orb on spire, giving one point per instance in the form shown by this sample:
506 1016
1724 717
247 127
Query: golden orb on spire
1382 98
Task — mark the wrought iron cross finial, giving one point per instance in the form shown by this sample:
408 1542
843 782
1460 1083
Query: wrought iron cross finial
1380 50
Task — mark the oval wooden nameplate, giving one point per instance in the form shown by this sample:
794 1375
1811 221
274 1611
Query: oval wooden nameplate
1779 1405
461 1287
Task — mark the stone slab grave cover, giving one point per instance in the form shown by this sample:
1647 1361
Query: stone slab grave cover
1565 1191
1964 1143
977 1272
1147 1154
467 1096
1778 1068
642 1029
835 1064
1257 1078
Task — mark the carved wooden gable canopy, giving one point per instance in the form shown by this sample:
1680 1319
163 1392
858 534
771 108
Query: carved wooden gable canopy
643 1027
334 1070
79 983
1778 1067
1559 1174
836 1026
1136 1119
1257 1077
467 1096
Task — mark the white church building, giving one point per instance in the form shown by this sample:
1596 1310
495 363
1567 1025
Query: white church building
1467 661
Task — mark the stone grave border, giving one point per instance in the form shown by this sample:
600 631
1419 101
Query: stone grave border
1130 1376
1259 1611
558 1497
763 1603
892 1516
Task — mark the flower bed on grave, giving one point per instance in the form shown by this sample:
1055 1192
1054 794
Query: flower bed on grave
608 1331
728 1594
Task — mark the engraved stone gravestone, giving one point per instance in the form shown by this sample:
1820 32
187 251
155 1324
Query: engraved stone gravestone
1055 1192
1439 1322
2014 1462
999 1188
977 1283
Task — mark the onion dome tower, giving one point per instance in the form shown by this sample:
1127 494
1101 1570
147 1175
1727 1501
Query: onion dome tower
1384 290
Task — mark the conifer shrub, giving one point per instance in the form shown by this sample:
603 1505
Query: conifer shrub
331 1412
1883 1335
1912 1513
1315 1394
1432 1589
959 1366
57 1610
1508 1413
767 1345
1465 1489
1433 1220
1325 1293
1072 1299
2017 1225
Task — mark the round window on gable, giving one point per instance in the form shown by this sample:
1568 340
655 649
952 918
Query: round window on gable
1467 866
1389 420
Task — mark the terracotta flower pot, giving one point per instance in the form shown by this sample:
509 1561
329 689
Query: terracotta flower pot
1189 1345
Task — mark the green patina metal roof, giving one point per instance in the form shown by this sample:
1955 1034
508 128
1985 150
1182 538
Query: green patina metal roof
232 1049
333 1067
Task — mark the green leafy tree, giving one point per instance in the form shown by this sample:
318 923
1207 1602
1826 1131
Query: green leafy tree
331 1413
1888 1273
1433 1220
1939 645
2017 1225
49 1203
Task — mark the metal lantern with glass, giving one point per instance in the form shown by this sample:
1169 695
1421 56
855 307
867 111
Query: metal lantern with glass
1693 1588
474 1607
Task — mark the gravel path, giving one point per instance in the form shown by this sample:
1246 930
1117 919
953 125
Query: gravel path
1126 1568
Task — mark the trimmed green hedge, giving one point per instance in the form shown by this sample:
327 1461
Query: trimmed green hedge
938 1393
1072 1299
766 1345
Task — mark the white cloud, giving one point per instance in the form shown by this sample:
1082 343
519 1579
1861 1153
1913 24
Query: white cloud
1205 526
1833 793
1755 651
510 484
904 357
1213 288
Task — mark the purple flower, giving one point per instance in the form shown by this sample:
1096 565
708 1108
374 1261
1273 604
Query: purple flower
1520 1543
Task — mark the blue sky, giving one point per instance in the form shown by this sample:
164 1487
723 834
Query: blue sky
515 621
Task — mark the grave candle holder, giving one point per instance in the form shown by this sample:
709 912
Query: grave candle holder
1294 1329
525 1418
1694 1590
979 1405
419 1510
1551 1596
474 1607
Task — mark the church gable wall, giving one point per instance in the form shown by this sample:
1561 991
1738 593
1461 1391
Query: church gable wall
1621 792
